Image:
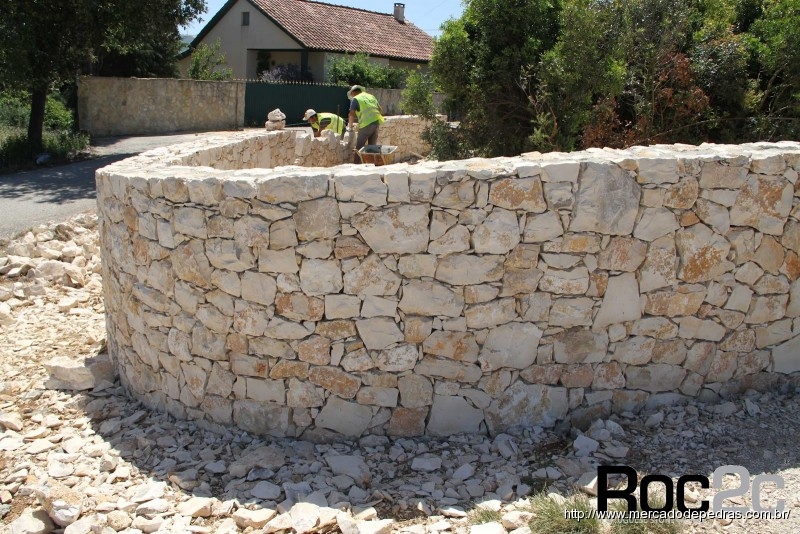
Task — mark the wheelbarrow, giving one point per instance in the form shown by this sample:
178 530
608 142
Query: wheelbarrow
377 154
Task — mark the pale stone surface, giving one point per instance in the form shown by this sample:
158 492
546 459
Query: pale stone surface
607 201
621 301
258 299
453 415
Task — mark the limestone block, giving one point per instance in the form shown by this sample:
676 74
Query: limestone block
349 247
294 187
457 195
565 282
622 254
608 376
694 328
397 359
363 186
456 239
621 301
722 174
453 415
764 203
378 396
347 418
396 230
262 418
654 377
498 234
569 312
491 314
299 307
714 215
657 327
379 332
655 170
317 219
527 405
786 357
431 299
542 228
512 345
371 277
636 350
686 300
607 201
408 421
342 306
448 369
460 346
467 269
765 309
579 345
302 394
250 320
280 328
320 277
518 194
703 254
415 391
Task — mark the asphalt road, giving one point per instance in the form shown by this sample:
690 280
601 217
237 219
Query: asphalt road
49 194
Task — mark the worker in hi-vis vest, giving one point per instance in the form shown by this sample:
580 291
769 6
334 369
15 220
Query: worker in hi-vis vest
324 121
365 109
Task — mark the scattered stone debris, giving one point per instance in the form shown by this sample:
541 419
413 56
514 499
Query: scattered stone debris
79 456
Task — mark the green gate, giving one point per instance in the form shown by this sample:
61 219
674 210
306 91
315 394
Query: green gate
293 99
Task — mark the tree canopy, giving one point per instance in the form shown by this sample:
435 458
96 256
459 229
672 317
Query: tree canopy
571 74
48 42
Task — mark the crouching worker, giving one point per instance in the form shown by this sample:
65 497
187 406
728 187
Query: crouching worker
324 121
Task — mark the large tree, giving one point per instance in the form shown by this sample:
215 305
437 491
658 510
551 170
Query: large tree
47 42
480 58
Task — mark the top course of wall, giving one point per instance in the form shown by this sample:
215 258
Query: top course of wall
447 297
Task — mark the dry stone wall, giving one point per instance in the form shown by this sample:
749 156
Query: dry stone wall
448 297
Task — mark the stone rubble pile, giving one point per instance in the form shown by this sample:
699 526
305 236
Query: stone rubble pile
95 460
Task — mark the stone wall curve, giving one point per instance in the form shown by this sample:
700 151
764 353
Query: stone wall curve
446 297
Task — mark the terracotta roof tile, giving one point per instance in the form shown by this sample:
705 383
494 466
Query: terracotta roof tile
333 28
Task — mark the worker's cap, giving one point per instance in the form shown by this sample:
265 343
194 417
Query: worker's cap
354 88
309 113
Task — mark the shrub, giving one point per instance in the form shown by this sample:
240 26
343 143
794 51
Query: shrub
63 146
206 63
357 69
15 110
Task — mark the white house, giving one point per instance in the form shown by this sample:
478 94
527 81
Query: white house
257 35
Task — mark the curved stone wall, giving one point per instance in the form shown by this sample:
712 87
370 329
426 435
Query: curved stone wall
438 298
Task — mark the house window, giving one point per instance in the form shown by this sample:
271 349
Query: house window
245 18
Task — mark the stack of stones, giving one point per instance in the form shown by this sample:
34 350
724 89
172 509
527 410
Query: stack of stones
440 298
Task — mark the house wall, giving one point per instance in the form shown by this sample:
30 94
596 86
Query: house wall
237 40
448 297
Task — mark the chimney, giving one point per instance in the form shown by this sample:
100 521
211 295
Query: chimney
399 12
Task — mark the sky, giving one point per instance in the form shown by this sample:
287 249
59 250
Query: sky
426 15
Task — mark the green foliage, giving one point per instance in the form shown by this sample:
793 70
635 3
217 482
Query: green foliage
15 108
358 70
478 60
56 115
480 515
573 74
417 97
16 151
48 42
207 63
549 515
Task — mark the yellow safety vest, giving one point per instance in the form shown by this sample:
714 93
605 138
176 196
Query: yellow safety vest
337 123
368 110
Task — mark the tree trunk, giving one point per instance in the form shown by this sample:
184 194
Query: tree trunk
36 120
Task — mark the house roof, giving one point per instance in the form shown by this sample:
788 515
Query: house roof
334 28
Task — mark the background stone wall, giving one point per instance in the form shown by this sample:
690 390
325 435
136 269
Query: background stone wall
141 106
464 296
250 149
